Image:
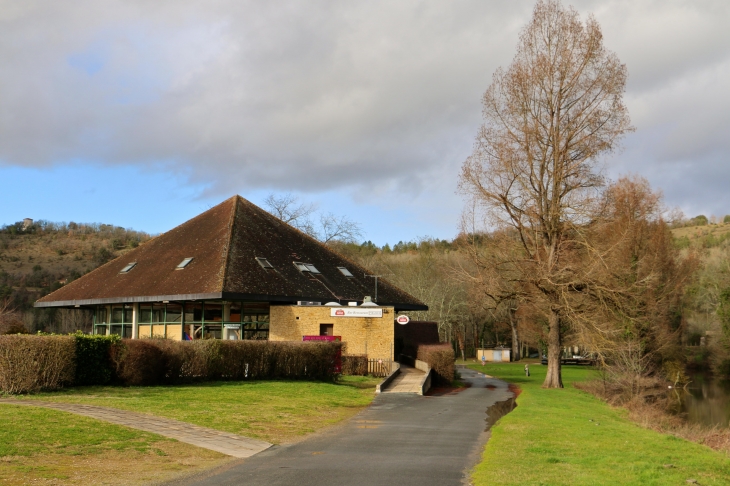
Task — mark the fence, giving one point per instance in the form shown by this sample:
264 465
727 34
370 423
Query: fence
379 367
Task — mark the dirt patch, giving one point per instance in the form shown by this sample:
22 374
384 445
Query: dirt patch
514 389
489 386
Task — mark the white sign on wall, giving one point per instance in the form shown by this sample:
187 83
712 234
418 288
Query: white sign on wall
355 312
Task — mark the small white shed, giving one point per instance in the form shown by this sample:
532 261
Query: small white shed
494 355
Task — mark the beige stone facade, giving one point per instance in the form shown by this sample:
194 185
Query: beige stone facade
371 336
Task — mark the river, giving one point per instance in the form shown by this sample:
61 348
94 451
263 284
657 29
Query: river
707 401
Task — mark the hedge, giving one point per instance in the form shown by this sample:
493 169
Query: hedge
31 363
356 365
440 357
93 366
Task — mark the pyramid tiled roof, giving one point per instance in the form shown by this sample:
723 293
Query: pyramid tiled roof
224 243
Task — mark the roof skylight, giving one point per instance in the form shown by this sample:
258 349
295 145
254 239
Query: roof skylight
264 263
128 267
345 272
184 263
306 267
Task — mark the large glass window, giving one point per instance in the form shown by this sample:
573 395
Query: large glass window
174 313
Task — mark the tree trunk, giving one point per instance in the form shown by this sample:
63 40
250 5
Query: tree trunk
515 338
554 378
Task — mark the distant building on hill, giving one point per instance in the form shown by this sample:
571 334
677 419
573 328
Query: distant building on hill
27 223
237 272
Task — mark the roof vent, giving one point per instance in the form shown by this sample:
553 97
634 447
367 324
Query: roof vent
184 263
345 272
264 263
128 267
333 304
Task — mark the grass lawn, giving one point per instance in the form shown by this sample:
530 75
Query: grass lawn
38 445
274 411
569 437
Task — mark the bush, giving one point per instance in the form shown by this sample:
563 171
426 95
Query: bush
355 365
93 366
138 362
440 357
30 363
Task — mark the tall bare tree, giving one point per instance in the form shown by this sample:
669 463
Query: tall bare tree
548 118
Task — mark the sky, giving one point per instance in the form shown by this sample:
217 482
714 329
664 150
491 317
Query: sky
144 114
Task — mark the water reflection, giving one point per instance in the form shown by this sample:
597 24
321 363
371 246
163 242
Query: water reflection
707 401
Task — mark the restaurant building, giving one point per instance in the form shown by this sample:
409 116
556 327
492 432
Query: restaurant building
237 272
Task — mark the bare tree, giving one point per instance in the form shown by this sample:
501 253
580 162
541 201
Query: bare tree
290 210
11 320
339 228
547 120
331 227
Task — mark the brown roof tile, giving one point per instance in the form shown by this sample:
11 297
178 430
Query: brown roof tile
224 242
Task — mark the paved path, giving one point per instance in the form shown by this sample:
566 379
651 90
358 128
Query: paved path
408 380
215 440
401 439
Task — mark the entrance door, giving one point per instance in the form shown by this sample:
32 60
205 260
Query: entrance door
497 355
326 329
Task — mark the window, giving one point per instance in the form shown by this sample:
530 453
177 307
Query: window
306 267
264 263
184 263
345 272
128 267
326 329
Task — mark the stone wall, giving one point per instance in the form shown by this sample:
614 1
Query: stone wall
371 336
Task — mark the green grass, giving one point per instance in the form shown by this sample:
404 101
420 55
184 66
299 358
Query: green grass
568 437
275 411
53 447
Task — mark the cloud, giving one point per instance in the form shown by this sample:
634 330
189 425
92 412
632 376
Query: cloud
320 96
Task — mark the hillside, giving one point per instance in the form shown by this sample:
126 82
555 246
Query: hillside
39 257
702 236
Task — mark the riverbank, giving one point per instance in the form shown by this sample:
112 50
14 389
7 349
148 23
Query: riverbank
570 437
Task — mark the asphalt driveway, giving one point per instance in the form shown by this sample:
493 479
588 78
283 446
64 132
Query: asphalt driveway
401 439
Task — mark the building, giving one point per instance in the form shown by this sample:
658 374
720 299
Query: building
237 272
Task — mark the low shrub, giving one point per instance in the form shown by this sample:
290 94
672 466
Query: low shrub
356 365
440 357
93 366
138 362
30 363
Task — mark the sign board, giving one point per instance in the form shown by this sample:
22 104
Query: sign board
321 338
403 320
232 326
355 312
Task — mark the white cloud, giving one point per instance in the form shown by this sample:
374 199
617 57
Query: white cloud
312 96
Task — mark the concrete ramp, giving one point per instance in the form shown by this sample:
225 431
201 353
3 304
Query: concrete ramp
409 380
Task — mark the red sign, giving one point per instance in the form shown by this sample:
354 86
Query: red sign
339 312
338 358
321 338
403 320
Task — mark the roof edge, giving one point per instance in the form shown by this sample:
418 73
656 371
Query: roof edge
128 300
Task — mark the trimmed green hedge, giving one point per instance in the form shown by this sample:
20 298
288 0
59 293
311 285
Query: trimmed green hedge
93 366
32 363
